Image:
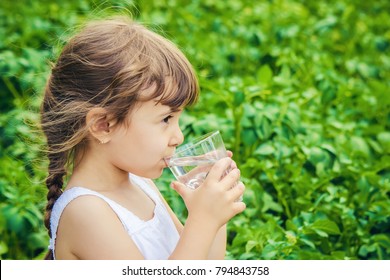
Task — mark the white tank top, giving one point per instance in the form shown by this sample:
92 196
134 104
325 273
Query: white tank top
155 238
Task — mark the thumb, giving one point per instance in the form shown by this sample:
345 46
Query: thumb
180 188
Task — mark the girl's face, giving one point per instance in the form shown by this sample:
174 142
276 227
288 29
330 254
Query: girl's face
151 136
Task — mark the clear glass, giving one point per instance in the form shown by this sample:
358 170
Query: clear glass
192 162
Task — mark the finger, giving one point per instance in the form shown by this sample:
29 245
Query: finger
237 192
230 154
238 207
233 165
180 188
231 178
218 169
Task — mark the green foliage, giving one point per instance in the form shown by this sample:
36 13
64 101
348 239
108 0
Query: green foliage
299 90
27 29
21 192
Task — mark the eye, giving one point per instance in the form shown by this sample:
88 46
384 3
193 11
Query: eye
166 119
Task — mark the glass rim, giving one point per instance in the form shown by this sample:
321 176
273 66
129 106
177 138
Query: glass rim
196 141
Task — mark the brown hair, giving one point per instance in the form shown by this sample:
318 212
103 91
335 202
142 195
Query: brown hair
108 64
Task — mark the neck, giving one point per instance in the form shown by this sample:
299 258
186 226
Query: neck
94 171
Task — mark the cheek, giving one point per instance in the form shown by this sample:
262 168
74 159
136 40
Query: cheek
138 147
150 141
141 148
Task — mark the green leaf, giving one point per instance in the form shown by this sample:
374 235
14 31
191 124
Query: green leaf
359 146
3 248
269 203
265 149
317 155
384 139
291 226
37 240
264 75
269 252
366 249
248 137
325 226
308 242
250 245
239 98
320 232
383 240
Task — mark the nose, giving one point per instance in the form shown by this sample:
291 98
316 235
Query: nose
177 137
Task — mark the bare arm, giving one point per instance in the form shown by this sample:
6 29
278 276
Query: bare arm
218 247
89 229
210 207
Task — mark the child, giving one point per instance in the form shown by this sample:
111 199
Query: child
111 114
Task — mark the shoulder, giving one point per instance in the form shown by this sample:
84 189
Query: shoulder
85 208
90 229
84 202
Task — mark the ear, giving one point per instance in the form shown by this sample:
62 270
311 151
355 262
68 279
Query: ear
98 124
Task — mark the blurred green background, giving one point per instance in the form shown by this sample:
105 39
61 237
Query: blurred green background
298 89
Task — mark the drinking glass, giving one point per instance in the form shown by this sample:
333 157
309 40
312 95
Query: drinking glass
192 162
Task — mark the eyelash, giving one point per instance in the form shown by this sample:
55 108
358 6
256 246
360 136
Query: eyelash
166 119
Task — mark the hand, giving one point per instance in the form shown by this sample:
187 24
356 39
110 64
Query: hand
200 170
215 201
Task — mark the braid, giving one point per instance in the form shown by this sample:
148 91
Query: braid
54 183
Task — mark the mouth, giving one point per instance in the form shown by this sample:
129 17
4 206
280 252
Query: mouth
166 161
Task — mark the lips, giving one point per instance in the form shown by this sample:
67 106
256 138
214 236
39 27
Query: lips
167 158
166 161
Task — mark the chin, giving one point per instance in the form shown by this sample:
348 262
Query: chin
158 175
155 174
